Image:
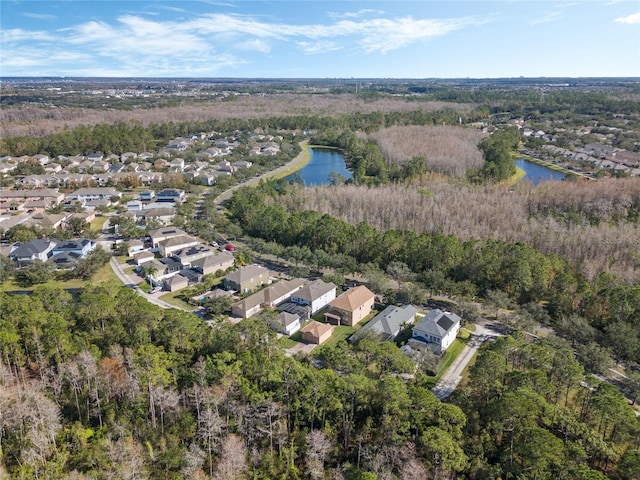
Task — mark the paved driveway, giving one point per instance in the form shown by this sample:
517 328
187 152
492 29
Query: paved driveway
451 378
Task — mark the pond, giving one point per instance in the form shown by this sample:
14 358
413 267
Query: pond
323 162
537 173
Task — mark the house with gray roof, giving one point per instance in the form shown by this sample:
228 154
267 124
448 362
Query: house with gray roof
213 263
39 249
286 323
316 294
437 327
388 323
247 278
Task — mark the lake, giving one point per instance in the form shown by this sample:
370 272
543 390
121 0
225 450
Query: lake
323 161
537 173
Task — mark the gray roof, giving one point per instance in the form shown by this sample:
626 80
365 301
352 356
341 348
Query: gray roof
285 319
314 290
211 260
437 322
31 248
244 274
390 320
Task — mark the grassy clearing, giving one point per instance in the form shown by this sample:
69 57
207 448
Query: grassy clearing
287 342
98 223
449 357
105 274
464 334
305 157
515 178
339 333
172 298
471 327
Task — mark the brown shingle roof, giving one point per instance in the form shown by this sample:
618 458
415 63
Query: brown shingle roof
353 298
316 329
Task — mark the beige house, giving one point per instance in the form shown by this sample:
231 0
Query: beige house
170 245
175 283
246 279
164 233
213 263
351 307
316 332
268 297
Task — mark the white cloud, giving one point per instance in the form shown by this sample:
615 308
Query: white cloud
548 17
313 48
202 45
256 45
39 16
19 35
629 19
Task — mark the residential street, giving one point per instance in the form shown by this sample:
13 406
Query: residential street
126 279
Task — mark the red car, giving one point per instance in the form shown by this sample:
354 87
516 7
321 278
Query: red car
230 247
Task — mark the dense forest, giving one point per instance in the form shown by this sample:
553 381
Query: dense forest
102 384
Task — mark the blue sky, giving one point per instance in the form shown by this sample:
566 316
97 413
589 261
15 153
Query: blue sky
320 39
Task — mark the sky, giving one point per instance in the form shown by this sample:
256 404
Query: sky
320 38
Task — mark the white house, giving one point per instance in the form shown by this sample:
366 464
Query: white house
316 294
437 327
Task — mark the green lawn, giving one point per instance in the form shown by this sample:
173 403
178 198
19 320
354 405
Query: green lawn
98 223
288 342
171 298
339 333
449 356
105 274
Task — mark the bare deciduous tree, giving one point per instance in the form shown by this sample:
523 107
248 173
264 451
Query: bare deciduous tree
233 459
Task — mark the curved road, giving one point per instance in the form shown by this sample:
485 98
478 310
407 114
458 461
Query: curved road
126 279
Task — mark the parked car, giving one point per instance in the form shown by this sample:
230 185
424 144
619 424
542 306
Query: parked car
229 247
214 244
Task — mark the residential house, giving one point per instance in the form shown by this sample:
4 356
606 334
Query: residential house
95 157
388 323
177 164
286 323
164 233
170 245
25 253
242 164
163 216
213 263
186 256
175 283
278 292
437 327
42 219
351 307
316 332
246 279
143 257
100 193
174 195
316 294
161 164
147 196
81 246
135 246
42 159
53 196
247 307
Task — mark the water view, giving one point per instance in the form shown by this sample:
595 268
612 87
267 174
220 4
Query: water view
323 162
537 173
